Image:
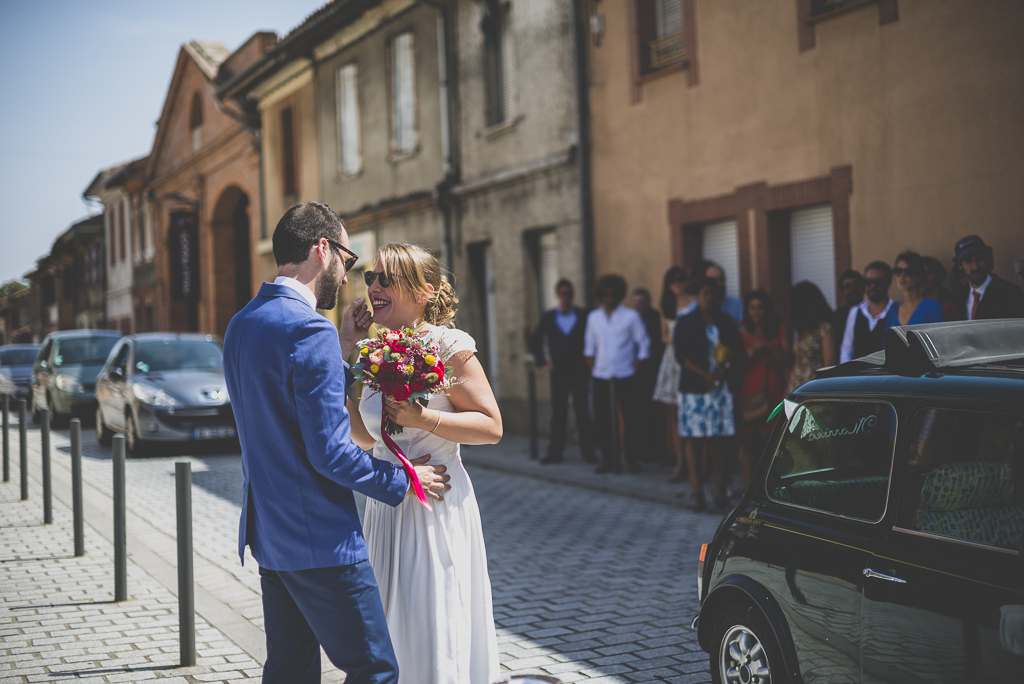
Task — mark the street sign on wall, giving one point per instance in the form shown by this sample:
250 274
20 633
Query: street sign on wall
184 244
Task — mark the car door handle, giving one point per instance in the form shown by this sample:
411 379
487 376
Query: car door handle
874 574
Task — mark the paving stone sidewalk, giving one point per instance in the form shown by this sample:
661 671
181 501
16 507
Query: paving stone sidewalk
58 620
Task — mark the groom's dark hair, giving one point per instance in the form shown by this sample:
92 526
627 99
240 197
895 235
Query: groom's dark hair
300 228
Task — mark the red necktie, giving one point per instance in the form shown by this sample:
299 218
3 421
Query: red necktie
974 306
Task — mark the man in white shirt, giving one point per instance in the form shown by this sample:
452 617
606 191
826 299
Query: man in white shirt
865 332
615 343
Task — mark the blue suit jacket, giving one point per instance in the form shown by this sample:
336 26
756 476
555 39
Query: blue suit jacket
287 381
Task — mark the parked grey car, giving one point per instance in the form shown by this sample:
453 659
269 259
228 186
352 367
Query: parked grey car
64 373
163 387
16 368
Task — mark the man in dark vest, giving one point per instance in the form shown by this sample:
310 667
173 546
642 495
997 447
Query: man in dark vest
988 295
562 328
865 328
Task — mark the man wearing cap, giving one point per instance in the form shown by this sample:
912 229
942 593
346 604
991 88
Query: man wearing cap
988 295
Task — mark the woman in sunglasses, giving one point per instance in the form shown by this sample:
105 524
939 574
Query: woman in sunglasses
915 308
431 566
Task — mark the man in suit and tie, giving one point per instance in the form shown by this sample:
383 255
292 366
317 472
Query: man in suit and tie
562 328
988 295
286 375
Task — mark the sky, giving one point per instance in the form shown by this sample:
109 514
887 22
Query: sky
82 86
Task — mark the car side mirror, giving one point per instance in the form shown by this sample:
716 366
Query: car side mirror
43 364
117 372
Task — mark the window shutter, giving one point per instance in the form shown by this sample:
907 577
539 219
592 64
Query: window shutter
288 153
722 246
812 248
548 270
510 69
669 16
349 137
403 94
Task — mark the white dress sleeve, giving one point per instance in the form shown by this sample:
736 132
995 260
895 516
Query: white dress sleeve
455 340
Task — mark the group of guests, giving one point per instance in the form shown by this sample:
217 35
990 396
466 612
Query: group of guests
719 365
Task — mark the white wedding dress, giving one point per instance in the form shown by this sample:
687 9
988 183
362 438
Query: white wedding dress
432 567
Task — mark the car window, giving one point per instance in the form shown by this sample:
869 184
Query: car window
17 357
121 359
836 456
965 476
170 354
44 353
84 350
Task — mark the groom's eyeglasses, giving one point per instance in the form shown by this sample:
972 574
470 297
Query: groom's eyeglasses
385 281
352 257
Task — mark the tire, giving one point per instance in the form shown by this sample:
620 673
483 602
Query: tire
103 434
56 419
745 644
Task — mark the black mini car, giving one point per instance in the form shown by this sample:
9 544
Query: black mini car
880 537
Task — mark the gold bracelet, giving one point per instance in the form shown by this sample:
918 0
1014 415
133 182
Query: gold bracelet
437 423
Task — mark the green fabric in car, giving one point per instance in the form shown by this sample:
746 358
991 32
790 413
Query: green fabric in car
975 484
1001 526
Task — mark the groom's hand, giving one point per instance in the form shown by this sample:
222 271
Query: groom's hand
355 326
433 478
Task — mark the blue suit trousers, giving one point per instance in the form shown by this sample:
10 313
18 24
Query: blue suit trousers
338 608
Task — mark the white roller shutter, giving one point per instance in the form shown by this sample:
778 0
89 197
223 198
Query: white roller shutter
722 246
813 249
548 270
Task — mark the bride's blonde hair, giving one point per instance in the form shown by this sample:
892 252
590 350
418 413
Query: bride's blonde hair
416 268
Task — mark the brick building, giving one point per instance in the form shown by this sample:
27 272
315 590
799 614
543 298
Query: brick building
203 187
16 317
791 139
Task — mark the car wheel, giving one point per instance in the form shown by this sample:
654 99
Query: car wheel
103 434
745 649
131 436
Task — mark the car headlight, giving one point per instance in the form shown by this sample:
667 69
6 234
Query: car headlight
66 383
153 396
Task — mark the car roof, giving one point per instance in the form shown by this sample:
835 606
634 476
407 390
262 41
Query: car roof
978 359
19 346
60 334
179 336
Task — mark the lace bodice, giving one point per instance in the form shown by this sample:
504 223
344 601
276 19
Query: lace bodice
412 441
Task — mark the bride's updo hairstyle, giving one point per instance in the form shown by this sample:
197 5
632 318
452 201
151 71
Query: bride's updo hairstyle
416 268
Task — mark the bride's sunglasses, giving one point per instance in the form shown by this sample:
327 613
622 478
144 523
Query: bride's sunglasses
352 257
384 279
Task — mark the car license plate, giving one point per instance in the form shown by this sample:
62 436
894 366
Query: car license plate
219 432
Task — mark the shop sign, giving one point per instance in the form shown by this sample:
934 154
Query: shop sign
184 244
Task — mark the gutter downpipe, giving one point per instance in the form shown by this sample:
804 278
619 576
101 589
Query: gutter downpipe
583 150
257 138
442 192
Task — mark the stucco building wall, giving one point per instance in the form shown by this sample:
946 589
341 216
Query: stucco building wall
924 110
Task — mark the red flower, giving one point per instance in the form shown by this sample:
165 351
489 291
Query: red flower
402 392
419 382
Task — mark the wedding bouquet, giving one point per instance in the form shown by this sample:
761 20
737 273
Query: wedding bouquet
402 364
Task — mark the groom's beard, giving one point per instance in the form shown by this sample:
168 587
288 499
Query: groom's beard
327 288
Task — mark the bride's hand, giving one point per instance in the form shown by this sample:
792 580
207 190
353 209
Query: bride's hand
433 478
408 414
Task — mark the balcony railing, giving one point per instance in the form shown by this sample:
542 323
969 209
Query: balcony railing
667 51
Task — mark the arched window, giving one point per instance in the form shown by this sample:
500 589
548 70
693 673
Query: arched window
195 122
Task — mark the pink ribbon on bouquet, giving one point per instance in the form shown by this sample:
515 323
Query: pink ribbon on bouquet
406 463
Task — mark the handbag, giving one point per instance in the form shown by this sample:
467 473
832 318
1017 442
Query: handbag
756 406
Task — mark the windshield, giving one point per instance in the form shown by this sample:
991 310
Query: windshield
172 354
17 357
84 350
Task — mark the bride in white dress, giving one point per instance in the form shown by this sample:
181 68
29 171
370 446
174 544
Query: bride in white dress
431 567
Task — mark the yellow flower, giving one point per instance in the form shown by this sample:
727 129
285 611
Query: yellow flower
364 351
374 368
409 369
429 358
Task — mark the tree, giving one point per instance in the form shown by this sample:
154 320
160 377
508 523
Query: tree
10 287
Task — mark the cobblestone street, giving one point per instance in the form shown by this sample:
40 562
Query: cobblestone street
588 585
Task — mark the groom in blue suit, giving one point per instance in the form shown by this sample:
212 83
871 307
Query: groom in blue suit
286 375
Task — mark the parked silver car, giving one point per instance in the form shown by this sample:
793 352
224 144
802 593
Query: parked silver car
16 368
64 374
163 387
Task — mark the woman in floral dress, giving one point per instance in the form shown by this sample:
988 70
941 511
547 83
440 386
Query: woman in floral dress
710 353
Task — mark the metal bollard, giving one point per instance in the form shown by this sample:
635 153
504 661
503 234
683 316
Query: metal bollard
76 486
531 388
23 446
7 438
44 433
186 585
120 531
